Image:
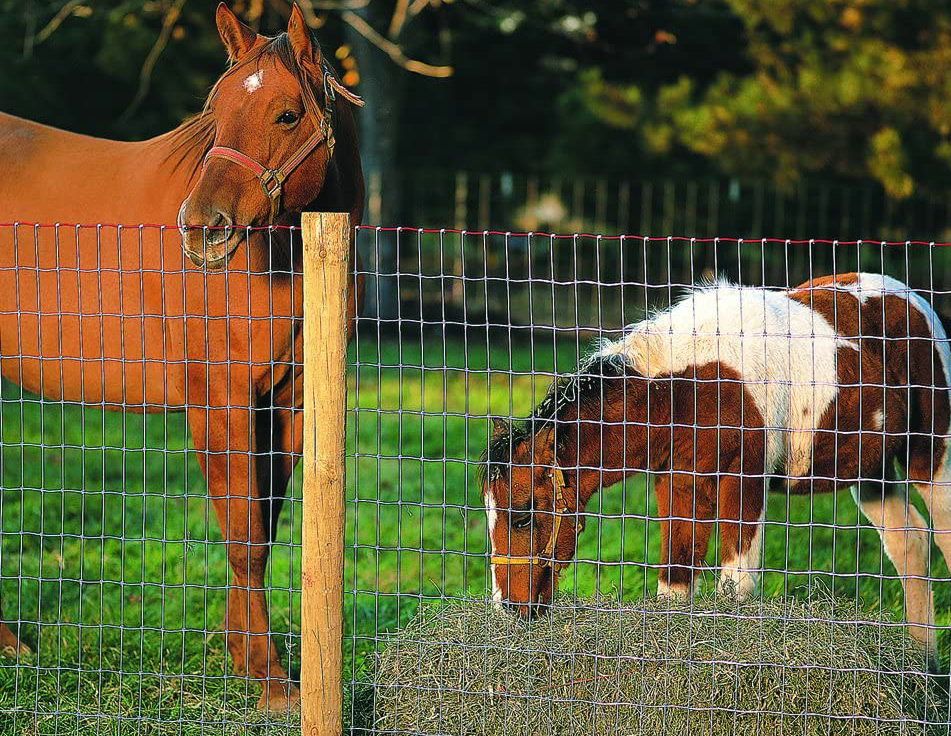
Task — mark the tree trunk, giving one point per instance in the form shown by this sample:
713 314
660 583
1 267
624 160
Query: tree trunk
381 84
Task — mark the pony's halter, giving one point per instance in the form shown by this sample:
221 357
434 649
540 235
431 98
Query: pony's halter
272 180
547 556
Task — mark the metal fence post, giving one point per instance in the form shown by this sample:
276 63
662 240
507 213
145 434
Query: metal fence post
326 238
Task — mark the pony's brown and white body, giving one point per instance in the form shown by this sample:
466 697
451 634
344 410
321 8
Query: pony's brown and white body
822 387
117 318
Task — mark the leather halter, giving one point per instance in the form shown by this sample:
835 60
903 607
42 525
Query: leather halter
272 180
547 556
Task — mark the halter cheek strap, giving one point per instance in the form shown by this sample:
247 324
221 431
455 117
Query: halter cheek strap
547 556
272 180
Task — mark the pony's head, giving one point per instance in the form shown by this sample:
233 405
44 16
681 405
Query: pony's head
273 116
532 514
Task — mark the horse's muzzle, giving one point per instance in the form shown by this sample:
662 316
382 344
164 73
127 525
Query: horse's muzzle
209 246
211 261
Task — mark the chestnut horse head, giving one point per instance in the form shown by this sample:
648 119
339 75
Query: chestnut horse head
532 515
273 120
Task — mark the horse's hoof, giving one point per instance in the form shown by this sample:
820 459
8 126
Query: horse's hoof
279 698
10 646
17 649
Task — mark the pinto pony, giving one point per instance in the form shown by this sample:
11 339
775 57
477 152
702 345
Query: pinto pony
822 387
115 317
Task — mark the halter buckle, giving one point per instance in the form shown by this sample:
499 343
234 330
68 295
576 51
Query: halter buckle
548 558
272 181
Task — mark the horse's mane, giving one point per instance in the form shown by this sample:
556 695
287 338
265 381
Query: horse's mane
196 135
585 388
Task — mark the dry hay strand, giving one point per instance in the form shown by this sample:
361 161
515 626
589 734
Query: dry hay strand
774 666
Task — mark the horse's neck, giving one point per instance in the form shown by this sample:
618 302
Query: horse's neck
608 440
57 176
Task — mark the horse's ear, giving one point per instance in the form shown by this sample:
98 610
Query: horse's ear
545 439
237 37
306 52
499 427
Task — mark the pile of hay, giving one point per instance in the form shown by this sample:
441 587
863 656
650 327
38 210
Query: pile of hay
775 667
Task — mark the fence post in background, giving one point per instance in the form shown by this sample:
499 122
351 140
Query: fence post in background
326 238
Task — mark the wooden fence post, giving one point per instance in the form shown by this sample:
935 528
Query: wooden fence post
326 238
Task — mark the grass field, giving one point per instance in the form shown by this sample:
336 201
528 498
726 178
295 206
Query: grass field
113 564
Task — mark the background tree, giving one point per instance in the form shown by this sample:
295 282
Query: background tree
783 89
848 88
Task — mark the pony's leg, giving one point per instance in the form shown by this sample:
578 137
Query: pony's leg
225 446
937 498
740 513
682 504
906 541
666 588
929 471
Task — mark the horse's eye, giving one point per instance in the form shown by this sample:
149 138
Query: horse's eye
288 117
520 521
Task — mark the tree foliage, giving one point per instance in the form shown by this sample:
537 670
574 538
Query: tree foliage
854 88
779 89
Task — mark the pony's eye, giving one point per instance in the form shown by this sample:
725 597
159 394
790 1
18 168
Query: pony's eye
288 117
520 521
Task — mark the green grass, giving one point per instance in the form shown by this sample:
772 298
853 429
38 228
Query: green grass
113 562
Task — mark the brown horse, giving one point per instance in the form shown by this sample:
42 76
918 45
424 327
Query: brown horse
823 387
114 317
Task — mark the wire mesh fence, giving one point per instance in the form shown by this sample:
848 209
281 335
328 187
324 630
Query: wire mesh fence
148 442
633 408
171 395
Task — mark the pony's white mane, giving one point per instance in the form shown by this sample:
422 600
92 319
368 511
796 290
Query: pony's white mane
784 352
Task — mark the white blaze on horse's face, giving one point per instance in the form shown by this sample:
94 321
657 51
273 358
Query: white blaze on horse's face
254 81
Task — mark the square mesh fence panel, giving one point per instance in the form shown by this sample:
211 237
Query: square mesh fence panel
131 377
660 543
637 405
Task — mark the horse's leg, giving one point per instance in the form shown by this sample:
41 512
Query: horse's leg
280 441
280 437
905 538
740 513
224 442
9 644
681 504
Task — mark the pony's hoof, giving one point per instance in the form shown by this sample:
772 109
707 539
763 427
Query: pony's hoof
673 593
279 697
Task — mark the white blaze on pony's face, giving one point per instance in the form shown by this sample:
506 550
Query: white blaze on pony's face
493 518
